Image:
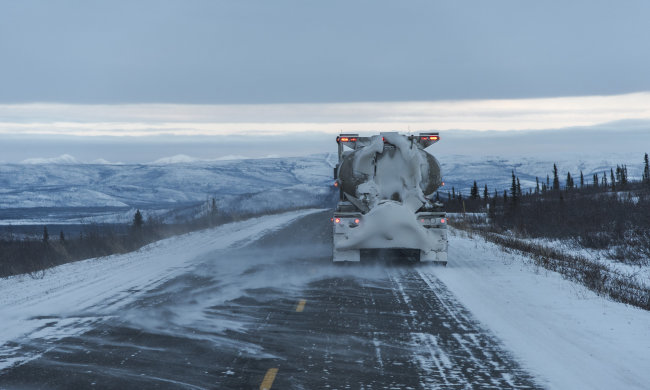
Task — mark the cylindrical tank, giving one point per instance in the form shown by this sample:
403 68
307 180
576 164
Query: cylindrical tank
390 164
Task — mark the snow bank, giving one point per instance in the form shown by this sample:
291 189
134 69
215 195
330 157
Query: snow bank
565 334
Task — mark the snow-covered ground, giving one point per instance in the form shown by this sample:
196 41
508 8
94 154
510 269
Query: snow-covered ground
69 298
566 335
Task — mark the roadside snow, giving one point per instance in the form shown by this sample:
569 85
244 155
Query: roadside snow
69 298
563 333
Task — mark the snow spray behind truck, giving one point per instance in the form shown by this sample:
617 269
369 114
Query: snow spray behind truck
387 183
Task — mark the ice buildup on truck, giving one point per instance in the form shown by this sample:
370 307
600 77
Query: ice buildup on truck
387 186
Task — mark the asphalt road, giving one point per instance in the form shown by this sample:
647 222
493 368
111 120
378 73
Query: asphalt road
276 314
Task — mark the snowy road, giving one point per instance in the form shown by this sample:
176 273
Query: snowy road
258 304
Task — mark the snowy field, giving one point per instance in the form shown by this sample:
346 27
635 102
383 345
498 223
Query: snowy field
563 334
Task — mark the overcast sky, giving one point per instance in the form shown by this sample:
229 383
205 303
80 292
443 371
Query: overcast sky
216 68
319 51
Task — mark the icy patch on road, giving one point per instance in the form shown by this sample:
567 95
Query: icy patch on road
73 296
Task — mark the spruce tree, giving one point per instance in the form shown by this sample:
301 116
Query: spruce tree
582 179
513 188
556 179
595 180
453 193
518 189
138 220
569 181
474 192
46 235
646 170
611 173
537 185
61 237
485 193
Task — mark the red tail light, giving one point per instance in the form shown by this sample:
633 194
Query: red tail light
337 220
356 221
442 220
336 184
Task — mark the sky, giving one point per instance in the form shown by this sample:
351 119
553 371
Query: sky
226 69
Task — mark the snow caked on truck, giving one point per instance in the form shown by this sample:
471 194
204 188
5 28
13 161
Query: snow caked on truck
387 186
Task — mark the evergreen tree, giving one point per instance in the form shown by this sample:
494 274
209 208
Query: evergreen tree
595 180
453 193
646 170
569 181
605 180
518 189
138 220
548 185
485 193
556 179
474 192
582 179
61 237
611 173
505 197
46 235
513 188
537 185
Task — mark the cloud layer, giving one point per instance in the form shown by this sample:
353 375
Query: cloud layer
193 120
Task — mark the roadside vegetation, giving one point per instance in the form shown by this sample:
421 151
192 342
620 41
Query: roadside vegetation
34 255
29 255
606 212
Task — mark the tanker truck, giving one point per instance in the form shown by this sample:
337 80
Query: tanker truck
387 207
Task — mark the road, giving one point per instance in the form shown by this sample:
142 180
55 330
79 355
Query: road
276 314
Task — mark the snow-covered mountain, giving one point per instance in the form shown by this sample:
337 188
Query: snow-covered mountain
65 191
109 192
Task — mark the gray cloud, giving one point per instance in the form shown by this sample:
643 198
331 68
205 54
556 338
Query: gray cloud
296 51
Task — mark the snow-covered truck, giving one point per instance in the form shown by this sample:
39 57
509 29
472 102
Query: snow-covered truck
388 184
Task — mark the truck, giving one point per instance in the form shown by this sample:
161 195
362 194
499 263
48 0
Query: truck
388 205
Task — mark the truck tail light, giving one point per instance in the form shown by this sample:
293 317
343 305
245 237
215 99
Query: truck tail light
337 220
442 220
356 221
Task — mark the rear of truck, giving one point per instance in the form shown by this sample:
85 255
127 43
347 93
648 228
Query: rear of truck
387 187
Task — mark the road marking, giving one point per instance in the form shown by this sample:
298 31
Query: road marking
267 382
301 305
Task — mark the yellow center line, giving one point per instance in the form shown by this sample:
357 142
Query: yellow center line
301 305
267 382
